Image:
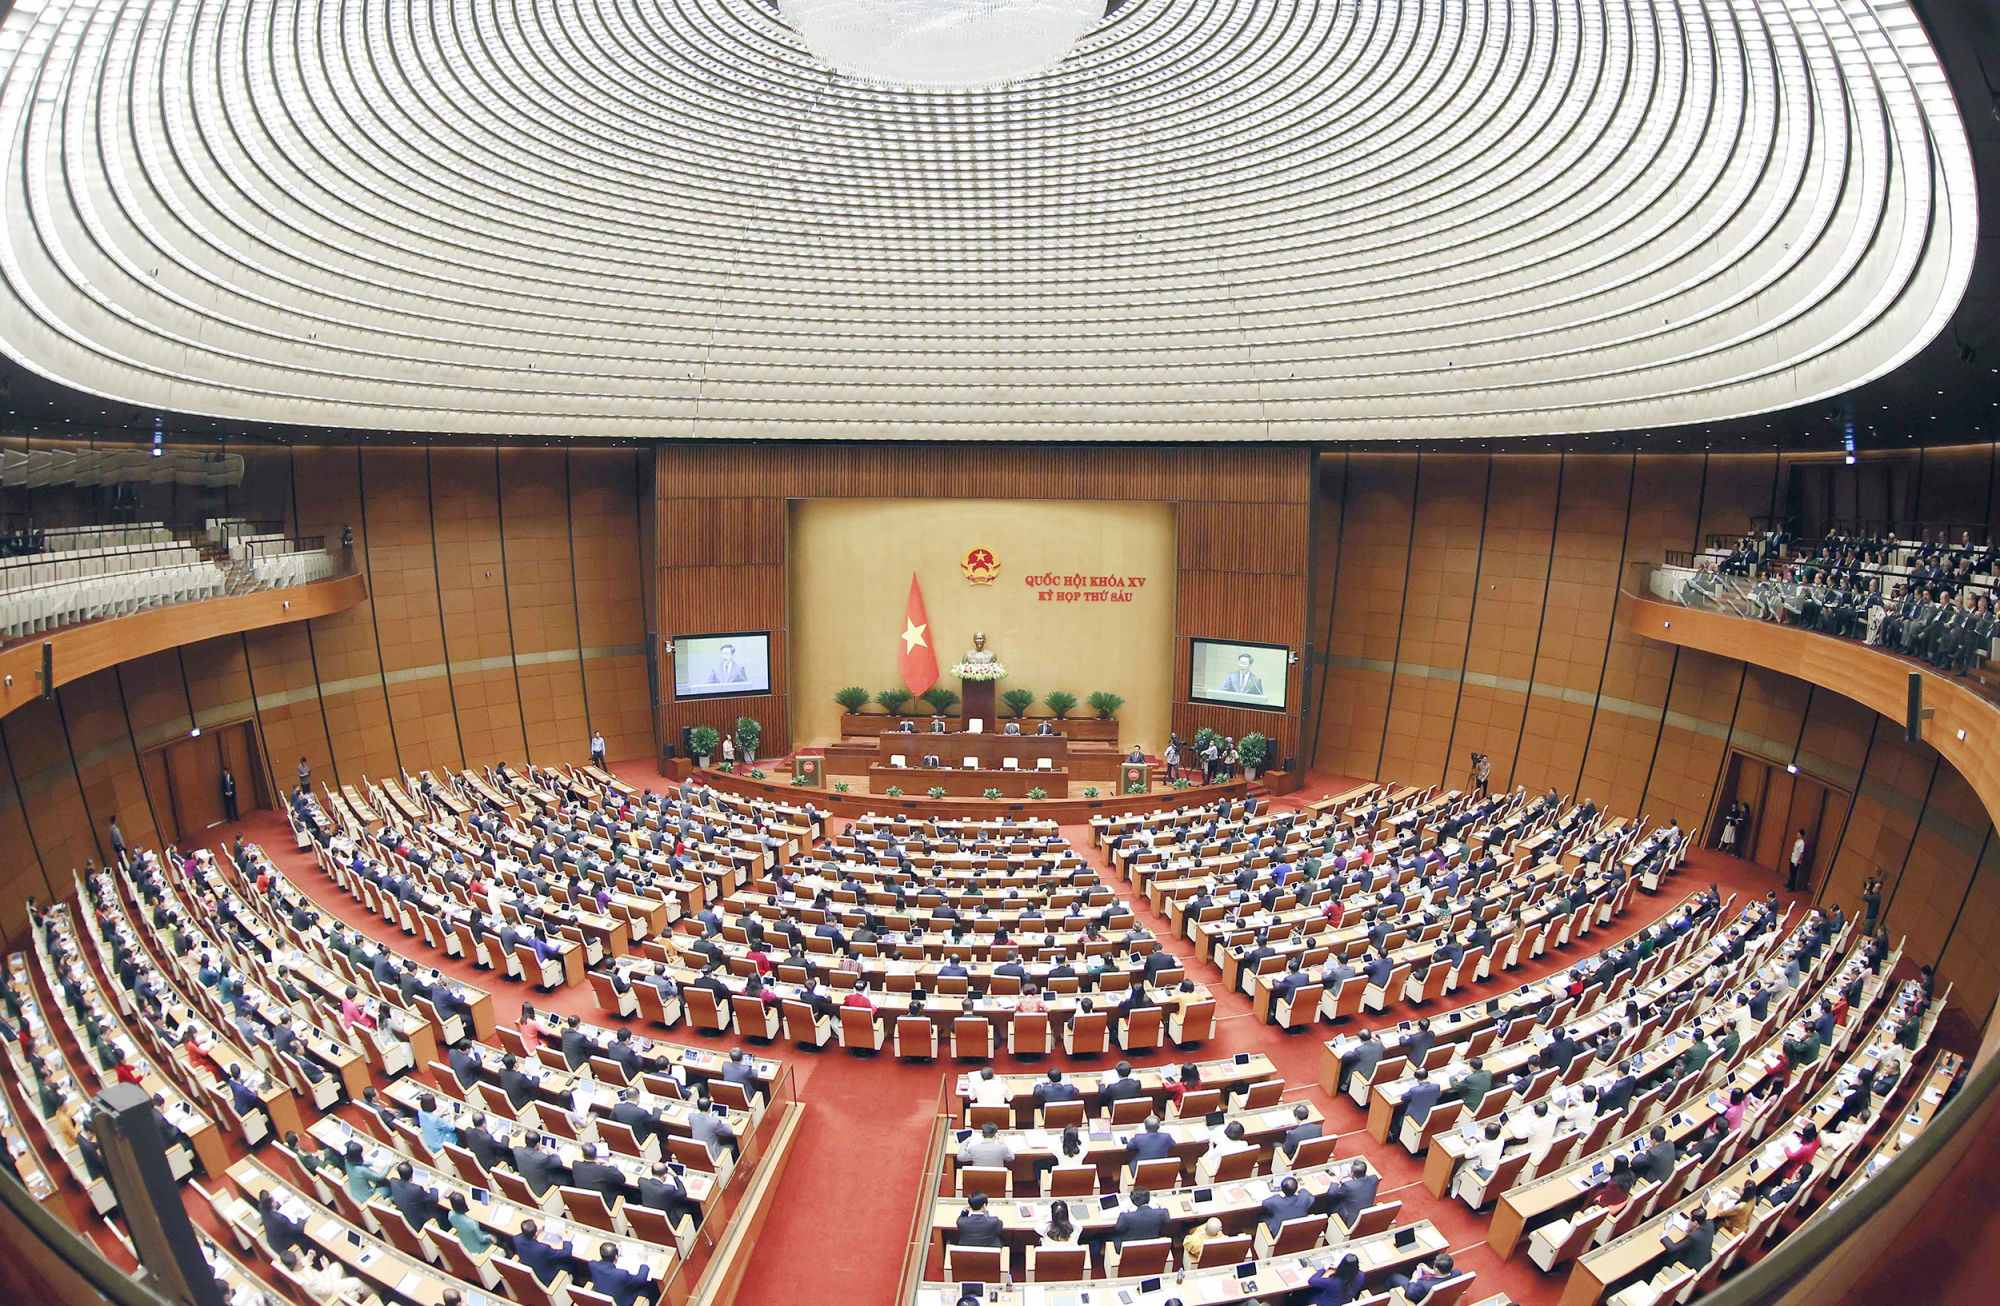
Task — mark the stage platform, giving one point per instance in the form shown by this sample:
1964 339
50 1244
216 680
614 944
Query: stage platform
1074 810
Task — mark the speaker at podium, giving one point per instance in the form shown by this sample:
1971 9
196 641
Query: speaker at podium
809 770
1135 778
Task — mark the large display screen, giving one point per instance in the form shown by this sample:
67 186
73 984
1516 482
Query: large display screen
711 666
1239 675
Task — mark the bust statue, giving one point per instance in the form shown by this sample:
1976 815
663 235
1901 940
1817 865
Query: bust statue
978 656
979 663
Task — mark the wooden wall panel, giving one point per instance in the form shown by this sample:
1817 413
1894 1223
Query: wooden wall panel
472 600
607 549
1245 541
542 599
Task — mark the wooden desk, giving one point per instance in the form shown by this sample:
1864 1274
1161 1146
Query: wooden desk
917 782
952 750
365 1256
1219 1285
1236 1203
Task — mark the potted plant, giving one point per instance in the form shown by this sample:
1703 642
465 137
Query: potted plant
1018 701
1106 704
892 700
749 734
1251 750
894 791
756 773
1060 702
1203 738
936 791
1183 782
1038 792
990 794
851 699
841 787
702 742
1091 791
942 700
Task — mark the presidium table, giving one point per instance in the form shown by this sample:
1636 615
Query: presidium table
970 764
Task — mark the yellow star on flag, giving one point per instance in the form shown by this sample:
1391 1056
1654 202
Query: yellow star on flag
913 635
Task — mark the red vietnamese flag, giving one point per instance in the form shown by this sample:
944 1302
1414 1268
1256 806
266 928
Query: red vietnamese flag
915 657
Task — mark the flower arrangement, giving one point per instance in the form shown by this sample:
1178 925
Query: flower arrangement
798 780
841 787
894 791
936 791
978 670
1091 791
1182 782
756 773
1038 792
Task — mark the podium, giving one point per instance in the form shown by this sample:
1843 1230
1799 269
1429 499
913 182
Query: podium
976 698
1135 778
810 770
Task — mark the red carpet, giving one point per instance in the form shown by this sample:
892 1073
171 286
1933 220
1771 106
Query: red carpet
842 1223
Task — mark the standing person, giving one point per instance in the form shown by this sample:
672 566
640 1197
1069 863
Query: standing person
1871 903
117 837
728 750
1799 861
1482 772
1229 759
305 775
1172 756
597 749
229 795
1211 758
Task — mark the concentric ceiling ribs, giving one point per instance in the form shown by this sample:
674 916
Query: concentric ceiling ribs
1213 219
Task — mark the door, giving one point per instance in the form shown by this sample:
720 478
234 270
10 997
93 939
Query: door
194 775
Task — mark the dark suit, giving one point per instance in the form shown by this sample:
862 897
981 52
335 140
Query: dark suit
638 1119
576 1049
669 1195
416 1203
1423 1095
1298 1134
1279 1208
1346 1200
598 1177
483 1146
541 1169
620 1285
1656 1163
1694 1250
1119 1089
519 1089
1138 1225
978 1229
1148 1145
1047 1092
